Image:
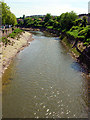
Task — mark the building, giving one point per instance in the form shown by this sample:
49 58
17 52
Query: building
19 19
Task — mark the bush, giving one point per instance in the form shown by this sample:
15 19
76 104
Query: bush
15 33
5 40
81 38
12 35
73 34
49 27
84 31
87 42
74 28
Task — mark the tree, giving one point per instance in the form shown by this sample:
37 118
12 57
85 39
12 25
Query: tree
28 22
23 16
47 17
55 24
66 20
5 9
7 16
78 22
13 19
20 23
0 14
84 22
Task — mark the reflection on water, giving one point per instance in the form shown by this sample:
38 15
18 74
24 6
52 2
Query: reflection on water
42 82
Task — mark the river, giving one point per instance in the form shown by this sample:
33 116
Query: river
44 81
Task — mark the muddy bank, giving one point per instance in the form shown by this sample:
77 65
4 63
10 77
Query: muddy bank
8 53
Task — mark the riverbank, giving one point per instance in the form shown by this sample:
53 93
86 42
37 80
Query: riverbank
73 52
64 40
75 55
52 32
9 52
40 74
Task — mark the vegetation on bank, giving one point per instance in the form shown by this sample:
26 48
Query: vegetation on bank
73 30
69 47
62 22
5 41
81 33
16 33
8 18
67 24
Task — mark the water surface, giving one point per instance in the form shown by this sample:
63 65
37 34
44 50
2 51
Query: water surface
43 81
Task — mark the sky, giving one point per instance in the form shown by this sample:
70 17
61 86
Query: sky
42 7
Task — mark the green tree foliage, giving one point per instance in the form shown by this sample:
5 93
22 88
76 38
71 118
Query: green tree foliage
60 23
80 33
66 20
68 24
20 23
31 22
28 22
78 22
7 16
47 17
84 22
55 24
23 16
0 14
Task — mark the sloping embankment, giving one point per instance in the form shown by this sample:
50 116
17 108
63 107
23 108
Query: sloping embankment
83 57
8 52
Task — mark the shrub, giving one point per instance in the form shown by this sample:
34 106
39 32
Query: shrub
87 42
74 28
73 34
15 33
81 38
5 40
84 31
49 27
12 35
